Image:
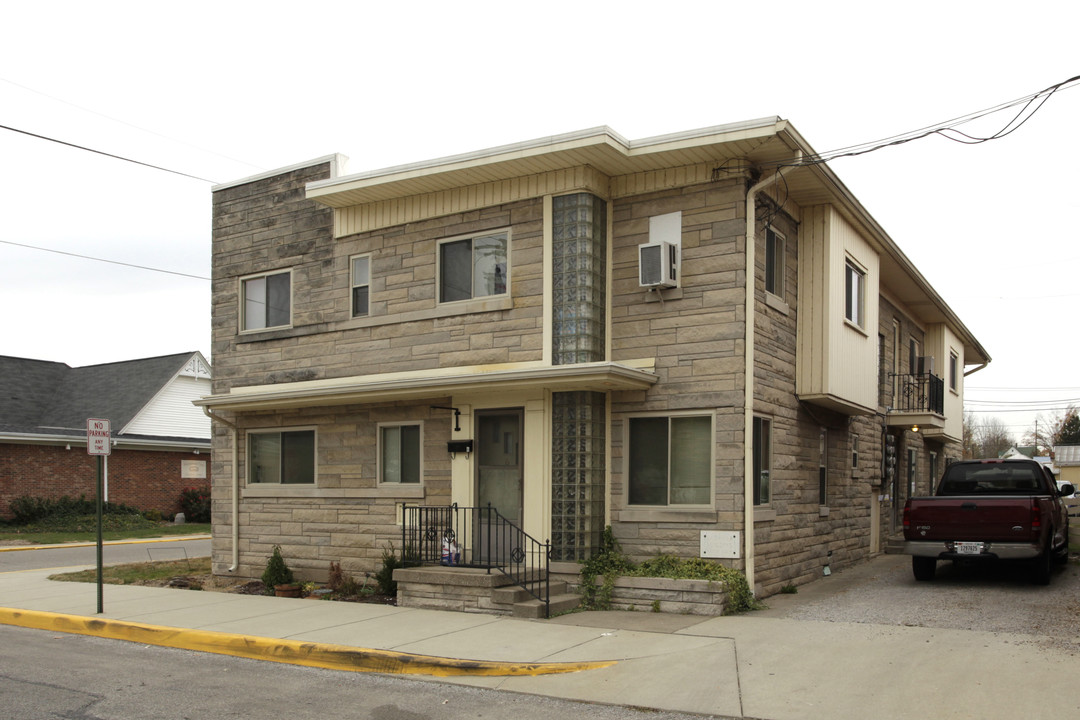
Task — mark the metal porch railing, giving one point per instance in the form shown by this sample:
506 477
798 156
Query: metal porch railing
919 393
476 537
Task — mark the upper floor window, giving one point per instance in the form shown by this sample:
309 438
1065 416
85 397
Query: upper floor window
282 457
854 293
670 460
266 301
399 453
360 280
954 371
774 263
473 267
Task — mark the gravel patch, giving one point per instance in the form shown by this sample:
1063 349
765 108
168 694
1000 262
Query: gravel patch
991 598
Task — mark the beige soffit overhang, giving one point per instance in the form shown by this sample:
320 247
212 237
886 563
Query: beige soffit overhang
600 148
428 384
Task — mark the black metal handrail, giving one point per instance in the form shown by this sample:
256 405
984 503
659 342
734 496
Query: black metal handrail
919 392
476 537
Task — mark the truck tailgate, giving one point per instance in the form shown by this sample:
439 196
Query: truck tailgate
983 518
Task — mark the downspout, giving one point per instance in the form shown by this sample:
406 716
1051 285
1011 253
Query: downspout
235 529
748 372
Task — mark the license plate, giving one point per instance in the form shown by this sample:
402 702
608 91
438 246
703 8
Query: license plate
968 548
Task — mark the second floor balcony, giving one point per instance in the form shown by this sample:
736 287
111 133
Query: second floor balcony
918 400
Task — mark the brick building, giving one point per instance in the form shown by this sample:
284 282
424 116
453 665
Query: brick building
576 331
160 441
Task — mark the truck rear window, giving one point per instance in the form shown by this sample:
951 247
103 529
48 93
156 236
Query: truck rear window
989 479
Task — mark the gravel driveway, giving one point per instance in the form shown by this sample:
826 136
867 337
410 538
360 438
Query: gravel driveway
991 598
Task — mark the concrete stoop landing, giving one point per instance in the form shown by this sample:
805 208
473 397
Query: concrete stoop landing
476 590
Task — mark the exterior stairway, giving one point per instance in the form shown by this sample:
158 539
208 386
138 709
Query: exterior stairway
475 590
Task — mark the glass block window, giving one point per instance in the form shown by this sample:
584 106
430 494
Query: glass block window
579 278
577 474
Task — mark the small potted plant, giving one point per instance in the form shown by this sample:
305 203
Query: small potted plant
278 577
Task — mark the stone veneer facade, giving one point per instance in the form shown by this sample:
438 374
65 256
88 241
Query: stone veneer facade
695 335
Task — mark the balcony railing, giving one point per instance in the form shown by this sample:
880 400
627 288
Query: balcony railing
476 537
919 393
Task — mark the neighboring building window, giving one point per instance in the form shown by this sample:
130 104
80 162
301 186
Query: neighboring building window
670 460
854 292
473 267
823 464
360 281
762 461
399 454
267 301
281 457
954 371
774 263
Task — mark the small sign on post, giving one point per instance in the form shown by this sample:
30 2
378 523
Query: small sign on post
97 437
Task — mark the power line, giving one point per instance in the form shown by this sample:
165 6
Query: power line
112 262
102 152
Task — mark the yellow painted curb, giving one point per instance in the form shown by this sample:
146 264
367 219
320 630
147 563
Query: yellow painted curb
328 656
178 538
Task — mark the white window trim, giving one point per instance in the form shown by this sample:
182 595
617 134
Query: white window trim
379 454
353 285
779 261
243 300
860 323
954 372
712 462
472 236
248 484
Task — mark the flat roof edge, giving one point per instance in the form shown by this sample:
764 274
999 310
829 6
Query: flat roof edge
337 165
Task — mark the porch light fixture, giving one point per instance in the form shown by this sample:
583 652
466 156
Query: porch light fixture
914 428
457 415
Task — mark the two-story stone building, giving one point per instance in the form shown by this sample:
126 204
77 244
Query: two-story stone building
576 330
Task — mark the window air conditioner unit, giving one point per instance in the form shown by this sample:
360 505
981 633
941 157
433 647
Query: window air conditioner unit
658 264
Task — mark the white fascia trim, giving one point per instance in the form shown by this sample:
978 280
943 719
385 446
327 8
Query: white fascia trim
337 166
400 386
590 136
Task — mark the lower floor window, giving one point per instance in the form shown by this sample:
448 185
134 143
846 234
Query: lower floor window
762 461
399 454
282 457
670 460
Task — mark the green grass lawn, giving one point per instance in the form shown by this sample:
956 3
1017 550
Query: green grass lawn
49 537
134 572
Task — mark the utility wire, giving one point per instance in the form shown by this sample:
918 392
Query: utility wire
112 262
102 152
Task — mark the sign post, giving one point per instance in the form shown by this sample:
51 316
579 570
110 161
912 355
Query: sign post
98 443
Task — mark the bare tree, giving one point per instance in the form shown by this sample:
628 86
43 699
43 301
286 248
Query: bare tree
1051 429
971 446
993 438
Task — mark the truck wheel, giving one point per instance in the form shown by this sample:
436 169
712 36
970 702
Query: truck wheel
923 568
1041 566
1062 556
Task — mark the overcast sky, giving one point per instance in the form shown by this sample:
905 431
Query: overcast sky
223 90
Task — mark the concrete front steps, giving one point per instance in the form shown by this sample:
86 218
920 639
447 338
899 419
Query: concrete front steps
435 587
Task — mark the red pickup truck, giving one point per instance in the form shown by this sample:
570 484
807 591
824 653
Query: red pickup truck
989 510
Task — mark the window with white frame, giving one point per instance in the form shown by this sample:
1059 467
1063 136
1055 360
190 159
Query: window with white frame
281 457
473 267
854 293
399 454
670 460
774 263
823 467
954 372
360 281
762 461
266 301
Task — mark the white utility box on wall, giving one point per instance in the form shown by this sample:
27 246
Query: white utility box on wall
720 544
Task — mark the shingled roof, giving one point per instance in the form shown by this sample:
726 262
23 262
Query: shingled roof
38 397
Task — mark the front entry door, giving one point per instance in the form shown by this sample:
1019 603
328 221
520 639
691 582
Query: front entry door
499 478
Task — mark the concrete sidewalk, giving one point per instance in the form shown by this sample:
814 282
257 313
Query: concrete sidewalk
752 666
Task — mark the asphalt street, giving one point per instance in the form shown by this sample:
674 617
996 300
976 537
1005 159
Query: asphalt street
82 555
